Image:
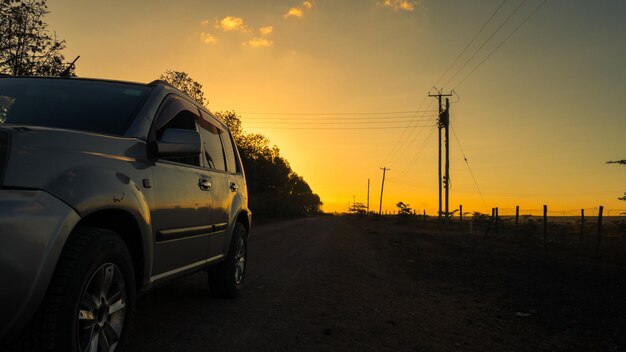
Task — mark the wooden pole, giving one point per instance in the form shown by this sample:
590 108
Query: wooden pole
582 224
599 242
545 223
516 219
382 187
439 214
461 216
447 162
424 217
368 196
497 222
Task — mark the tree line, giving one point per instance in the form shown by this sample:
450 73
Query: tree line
275 189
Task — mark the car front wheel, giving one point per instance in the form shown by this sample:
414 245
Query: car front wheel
89 302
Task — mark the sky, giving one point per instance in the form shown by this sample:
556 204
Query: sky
341 87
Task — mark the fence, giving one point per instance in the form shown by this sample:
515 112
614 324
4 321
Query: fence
596 231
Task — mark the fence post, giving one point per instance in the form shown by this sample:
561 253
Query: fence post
497 222
582 224
545 223
491 221
600 210
461 216
516 219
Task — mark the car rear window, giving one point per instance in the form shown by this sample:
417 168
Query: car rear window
93 106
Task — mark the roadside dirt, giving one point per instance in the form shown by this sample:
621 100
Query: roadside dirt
341 284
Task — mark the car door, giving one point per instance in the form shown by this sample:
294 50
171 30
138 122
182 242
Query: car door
181 218
213 156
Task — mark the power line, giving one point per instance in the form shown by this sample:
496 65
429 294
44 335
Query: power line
502 42
336 122
332 113
471 42
485 42
401 145
406 145
470 169
253 119
418 154
331 128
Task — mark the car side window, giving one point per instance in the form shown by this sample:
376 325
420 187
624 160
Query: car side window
179 114
212 151
229 152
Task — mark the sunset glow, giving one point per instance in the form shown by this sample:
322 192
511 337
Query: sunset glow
337 86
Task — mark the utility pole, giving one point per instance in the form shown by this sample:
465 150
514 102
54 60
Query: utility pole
446 180
368 196
382 187
443 123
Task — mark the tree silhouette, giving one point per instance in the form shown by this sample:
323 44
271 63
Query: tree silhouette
621 162
27 48
404 209
358 208
184 83
275 189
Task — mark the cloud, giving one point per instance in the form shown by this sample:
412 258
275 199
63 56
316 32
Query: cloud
232 23
267 30
397 5
259 43
298 11
294 12
205 23
207 38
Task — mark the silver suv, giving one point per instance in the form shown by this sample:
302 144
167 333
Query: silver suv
107 189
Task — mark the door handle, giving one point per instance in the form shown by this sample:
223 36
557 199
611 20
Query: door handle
204 184
233 187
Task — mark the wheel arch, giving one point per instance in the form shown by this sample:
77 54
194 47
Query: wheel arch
127 227
244 218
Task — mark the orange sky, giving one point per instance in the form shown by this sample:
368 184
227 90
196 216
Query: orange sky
537 120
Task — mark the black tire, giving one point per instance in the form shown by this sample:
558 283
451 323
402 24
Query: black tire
226 278
91 296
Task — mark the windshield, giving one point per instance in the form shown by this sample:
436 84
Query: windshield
93 106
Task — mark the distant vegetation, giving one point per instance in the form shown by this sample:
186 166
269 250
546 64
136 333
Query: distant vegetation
275 190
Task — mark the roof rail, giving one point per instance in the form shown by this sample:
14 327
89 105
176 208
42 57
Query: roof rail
161 81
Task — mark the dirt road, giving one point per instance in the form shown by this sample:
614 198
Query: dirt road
338 284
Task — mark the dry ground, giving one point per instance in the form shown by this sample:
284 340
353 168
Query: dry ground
343 284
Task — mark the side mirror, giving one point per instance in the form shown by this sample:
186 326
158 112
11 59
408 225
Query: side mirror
177 142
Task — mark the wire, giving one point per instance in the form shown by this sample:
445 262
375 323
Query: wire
330 128
402 151
403 142
335 118
485 42
470 168
418 154
502 42
336 122
334 113
471 42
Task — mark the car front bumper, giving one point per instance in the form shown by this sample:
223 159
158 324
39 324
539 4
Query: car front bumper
34 226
